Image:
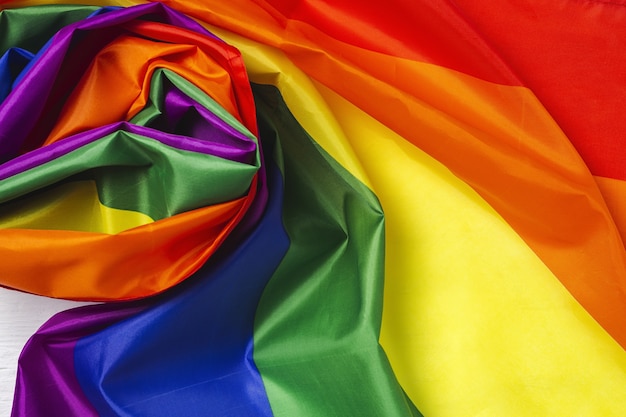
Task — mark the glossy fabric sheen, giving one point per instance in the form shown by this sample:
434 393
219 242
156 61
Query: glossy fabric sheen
69 206
470 323
582 61
51 64
531 188
145 173
456 118
494 286
11 64
119 387
120 266
146 170
48 153
318 320
496 189
48 374
43 23
190 351
431 249
83 109
177 106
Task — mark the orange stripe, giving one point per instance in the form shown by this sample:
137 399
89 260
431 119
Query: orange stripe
499 139
614 193
528 171
428 32
147 259
128 62
502 142
572 56
135 263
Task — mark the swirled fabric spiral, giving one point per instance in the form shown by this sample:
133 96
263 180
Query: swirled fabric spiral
317 208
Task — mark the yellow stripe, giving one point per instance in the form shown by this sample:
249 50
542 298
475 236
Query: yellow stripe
473 322
267 65
72 206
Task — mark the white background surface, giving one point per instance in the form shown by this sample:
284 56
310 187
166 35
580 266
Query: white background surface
20 316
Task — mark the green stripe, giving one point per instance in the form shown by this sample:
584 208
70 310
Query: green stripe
147 183
133 172
318 322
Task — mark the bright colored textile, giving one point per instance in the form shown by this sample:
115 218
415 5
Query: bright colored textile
298 208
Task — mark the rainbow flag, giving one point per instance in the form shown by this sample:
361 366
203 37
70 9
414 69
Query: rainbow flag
317 208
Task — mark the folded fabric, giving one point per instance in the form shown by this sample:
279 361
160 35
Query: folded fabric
314 208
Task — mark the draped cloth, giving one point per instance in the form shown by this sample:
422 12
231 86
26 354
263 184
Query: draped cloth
299 208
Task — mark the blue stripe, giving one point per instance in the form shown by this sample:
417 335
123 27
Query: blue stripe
12 63
191 355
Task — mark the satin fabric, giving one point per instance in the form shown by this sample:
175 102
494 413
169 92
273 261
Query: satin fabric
582 61
12 63
396 89
470 326
69 206
127 386
50 64
319 318
531 187
464 316
187 367
600 260
87 156
129 151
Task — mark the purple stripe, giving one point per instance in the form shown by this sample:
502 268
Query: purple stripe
47 383
49 153
202 122
26 102
46 365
